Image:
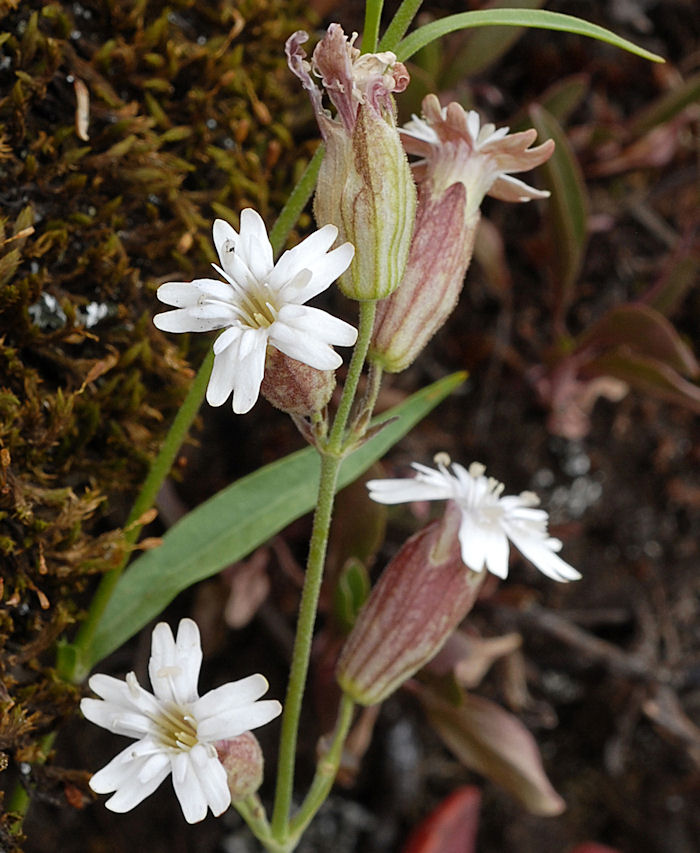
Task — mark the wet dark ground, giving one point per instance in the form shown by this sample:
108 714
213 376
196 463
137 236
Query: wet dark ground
616 730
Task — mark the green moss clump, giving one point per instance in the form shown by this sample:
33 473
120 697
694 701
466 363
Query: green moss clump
186 117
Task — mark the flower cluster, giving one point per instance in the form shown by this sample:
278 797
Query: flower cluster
176 729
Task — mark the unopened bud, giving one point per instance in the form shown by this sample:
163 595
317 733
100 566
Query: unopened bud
243 762
364 187
295 387
441 250
421 597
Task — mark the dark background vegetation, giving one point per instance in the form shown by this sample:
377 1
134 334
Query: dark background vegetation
194 115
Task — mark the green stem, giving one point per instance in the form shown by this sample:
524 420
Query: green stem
253 813
330 465
364 335
370 33
71 658
326 770
399 24
296 202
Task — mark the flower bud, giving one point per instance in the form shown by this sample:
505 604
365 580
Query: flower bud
295 387
441 250
460 163
243 762
421 597
365 187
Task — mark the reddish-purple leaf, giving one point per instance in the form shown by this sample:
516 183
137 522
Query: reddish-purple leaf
648 375
644 330
451 827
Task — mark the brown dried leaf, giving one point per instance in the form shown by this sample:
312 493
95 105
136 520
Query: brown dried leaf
495 743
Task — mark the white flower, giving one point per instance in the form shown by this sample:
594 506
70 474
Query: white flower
176 729
260 303
488 520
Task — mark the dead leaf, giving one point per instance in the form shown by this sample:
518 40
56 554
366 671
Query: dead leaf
490 740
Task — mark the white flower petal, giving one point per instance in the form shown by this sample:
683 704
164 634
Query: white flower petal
304 256
181 320
405 491
225 240
253 244
174 666
188 789
542 557
119 721
233 723
221 380
183 294
325 269
232 695
212 778
123 768
250 369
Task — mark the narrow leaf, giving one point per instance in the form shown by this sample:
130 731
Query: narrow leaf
495 743
568 207
666 107
399 24
515 18
483 47
237 520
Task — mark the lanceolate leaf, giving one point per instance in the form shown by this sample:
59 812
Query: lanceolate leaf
643 330
493 742
568 207
515 18
238 519
483 47
648 375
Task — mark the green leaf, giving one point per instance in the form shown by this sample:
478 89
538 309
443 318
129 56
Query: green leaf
568 207
483 47
399 24
237 520
373 14
515 18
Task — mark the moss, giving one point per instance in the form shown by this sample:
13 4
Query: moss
188 116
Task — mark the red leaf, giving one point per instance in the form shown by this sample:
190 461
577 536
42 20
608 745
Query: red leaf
451 827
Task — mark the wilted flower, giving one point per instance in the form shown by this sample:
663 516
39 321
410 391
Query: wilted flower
460 163
176 729
364 185
455 147
488 520
260 304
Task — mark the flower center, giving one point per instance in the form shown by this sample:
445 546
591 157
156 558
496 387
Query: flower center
176 728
